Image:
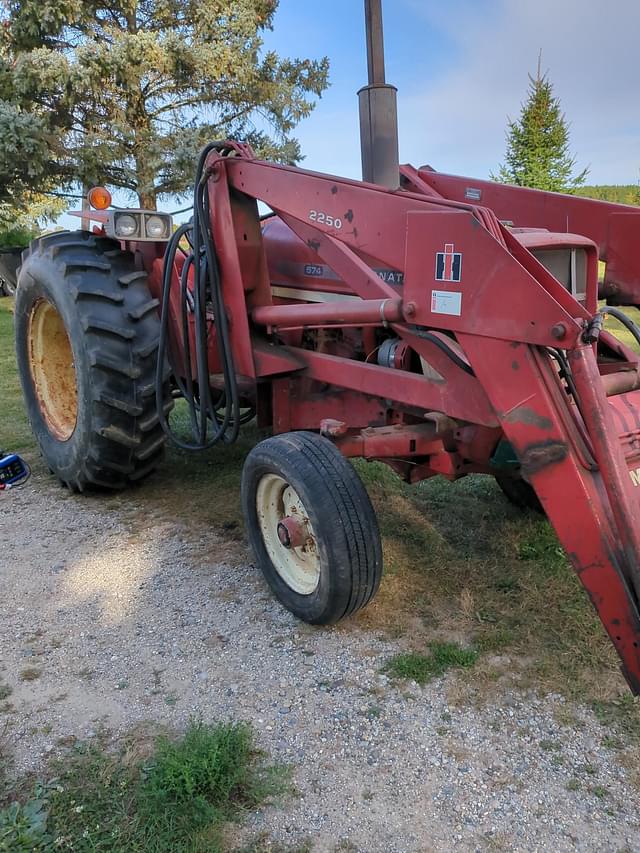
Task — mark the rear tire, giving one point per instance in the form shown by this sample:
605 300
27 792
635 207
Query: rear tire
301 479
87 335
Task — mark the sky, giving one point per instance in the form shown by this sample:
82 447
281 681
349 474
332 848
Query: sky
461 69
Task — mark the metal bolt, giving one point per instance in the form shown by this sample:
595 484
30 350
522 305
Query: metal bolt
559 331
410 309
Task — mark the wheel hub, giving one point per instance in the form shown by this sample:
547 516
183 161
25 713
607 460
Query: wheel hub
292 532
288 534
53 370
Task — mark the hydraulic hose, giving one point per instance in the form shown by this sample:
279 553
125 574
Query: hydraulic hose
210 421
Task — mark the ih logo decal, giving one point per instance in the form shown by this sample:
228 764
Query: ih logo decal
448 264
635 477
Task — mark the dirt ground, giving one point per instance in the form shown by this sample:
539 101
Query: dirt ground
115 618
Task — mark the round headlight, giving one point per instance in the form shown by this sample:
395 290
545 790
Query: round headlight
156 227
126 226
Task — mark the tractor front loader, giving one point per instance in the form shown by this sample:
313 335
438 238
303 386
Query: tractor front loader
437 327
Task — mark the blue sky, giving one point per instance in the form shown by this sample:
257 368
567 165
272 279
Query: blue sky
461 68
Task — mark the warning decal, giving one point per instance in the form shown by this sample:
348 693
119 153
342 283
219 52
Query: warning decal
445 302
448 264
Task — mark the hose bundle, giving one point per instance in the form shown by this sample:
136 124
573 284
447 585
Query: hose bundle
212 420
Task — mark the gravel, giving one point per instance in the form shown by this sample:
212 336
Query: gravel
115 619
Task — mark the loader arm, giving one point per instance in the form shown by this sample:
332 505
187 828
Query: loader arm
494 301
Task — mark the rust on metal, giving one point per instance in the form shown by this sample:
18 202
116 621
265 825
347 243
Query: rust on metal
539 456
529 417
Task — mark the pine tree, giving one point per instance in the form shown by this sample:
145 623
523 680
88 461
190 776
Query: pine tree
125 92
538 144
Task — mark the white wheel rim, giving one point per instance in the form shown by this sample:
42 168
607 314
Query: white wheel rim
298 567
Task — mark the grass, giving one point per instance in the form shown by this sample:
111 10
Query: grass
15 434
614 326
178 800
423 668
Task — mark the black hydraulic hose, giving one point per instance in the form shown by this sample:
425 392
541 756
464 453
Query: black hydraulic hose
224 413
621 317
231 421
565 372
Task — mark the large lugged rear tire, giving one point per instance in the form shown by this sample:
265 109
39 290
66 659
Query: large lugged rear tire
87 335
312 527
519 492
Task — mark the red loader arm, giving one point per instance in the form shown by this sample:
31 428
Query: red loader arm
489 324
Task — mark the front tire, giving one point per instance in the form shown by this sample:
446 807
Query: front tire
311 526
87 335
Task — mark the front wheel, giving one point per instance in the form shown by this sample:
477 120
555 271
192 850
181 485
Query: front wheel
311 526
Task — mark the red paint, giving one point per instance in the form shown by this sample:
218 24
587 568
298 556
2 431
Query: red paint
466 380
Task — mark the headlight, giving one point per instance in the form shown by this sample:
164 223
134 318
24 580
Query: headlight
126 226
157 227
139 225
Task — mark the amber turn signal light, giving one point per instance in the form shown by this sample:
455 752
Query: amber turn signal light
99 198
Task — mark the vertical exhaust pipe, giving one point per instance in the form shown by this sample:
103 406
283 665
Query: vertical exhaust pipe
378 109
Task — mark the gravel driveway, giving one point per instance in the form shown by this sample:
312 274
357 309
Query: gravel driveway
112 618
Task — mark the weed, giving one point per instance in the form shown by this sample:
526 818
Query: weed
176 801
573 785
423 668
599 791
23 828
5 692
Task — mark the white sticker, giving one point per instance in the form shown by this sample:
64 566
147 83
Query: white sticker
444 302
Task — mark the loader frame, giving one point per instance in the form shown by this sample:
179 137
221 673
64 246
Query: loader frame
491 377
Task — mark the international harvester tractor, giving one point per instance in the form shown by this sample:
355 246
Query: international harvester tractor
443 325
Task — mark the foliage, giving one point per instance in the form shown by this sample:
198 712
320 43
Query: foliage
23 828
176 802
620 193
423 668
22 221
538 144
125 92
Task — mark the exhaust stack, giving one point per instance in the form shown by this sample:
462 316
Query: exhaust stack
378 109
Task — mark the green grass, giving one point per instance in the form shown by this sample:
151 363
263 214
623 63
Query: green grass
463 564
176 801
614 326
15 434
423 668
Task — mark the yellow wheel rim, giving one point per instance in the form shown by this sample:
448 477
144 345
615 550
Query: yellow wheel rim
53 370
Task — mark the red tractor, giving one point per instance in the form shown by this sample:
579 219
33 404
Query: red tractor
440 324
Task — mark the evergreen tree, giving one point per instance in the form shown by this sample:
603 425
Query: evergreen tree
125 92
538 144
